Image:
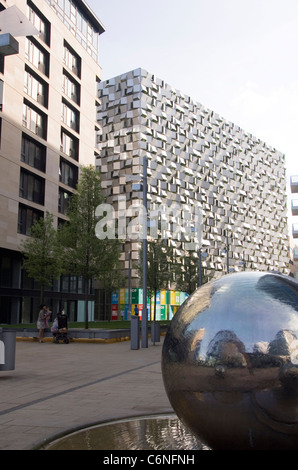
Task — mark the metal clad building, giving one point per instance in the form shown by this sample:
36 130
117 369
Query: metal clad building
196 158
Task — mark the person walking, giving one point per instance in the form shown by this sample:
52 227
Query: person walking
41 321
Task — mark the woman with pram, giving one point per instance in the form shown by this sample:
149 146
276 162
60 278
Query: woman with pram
42 321
59 328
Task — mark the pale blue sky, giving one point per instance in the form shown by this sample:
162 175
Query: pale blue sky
236 57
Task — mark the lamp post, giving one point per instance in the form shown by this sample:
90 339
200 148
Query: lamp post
145 313
243 262
201 255
226 251
200 267
144 328
228 266
129 284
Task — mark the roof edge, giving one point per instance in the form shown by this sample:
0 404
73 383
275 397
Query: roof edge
91 16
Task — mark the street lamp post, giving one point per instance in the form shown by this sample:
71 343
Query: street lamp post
129 284
228 266
243 262
144 327
200 267
201 255
145 313
226 251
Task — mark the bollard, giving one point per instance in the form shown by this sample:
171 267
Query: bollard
155 332
7 349
134 332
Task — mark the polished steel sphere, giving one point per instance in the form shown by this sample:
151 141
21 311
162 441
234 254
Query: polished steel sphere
230 362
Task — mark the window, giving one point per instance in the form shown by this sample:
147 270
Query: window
69 145
70 116
33 153
36 88
64 200
40 22
2 63
37 56
67 8
31 187
71 283
72 14
1 95
72 60
6 271
71 88
34 120
27 217
68 173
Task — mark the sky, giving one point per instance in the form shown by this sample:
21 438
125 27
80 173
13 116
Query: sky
238 58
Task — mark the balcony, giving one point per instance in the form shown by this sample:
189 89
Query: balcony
295 230
294 184
294 206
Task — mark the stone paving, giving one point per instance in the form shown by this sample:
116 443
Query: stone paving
56 388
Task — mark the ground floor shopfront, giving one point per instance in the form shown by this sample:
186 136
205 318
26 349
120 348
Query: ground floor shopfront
167 303
20 298
20 295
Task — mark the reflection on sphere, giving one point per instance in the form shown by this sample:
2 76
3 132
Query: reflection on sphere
230 362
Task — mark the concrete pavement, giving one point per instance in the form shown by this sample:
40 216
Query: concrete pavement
59 387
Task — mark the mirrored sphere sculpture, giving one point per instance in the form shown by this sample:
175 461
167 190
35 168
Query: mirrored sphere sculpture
230 362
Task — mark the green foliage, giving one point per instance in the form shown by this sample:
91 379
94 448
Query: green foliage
161 267
187 279
82 248
42 253
86 255
109 272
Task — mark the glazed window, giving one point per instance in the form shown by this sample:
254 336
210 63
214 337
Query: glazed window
26 218
69 145
33 153
35 87
40 22
37 56
32 187
34 120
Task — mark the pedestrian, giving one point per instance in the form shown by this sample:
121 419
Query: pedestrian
41 321
54 328
47 317
136 310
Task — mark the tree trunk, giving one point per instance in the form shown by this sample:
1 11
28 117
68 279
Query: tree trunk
109 304
41 295
86 302
105 306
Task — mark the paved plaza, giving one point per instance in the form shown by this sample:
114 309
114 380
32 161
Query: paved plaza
59 387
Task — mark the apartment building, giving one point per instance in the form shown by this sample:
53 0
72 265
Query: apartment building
48 123
195 159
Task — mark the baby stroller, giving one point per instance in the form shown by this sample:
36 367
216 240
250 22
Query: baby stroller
60 332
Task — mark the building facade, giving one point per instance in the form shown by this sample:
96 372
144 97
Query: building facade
195 159
48 122
56 115
294 234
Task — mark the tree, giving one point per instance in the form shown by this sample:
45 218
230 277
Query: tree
160 267
109 275
85 254
42 254
188 273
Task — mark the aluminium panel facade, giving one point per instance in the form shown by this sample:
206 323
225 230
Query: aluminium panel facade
196 159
